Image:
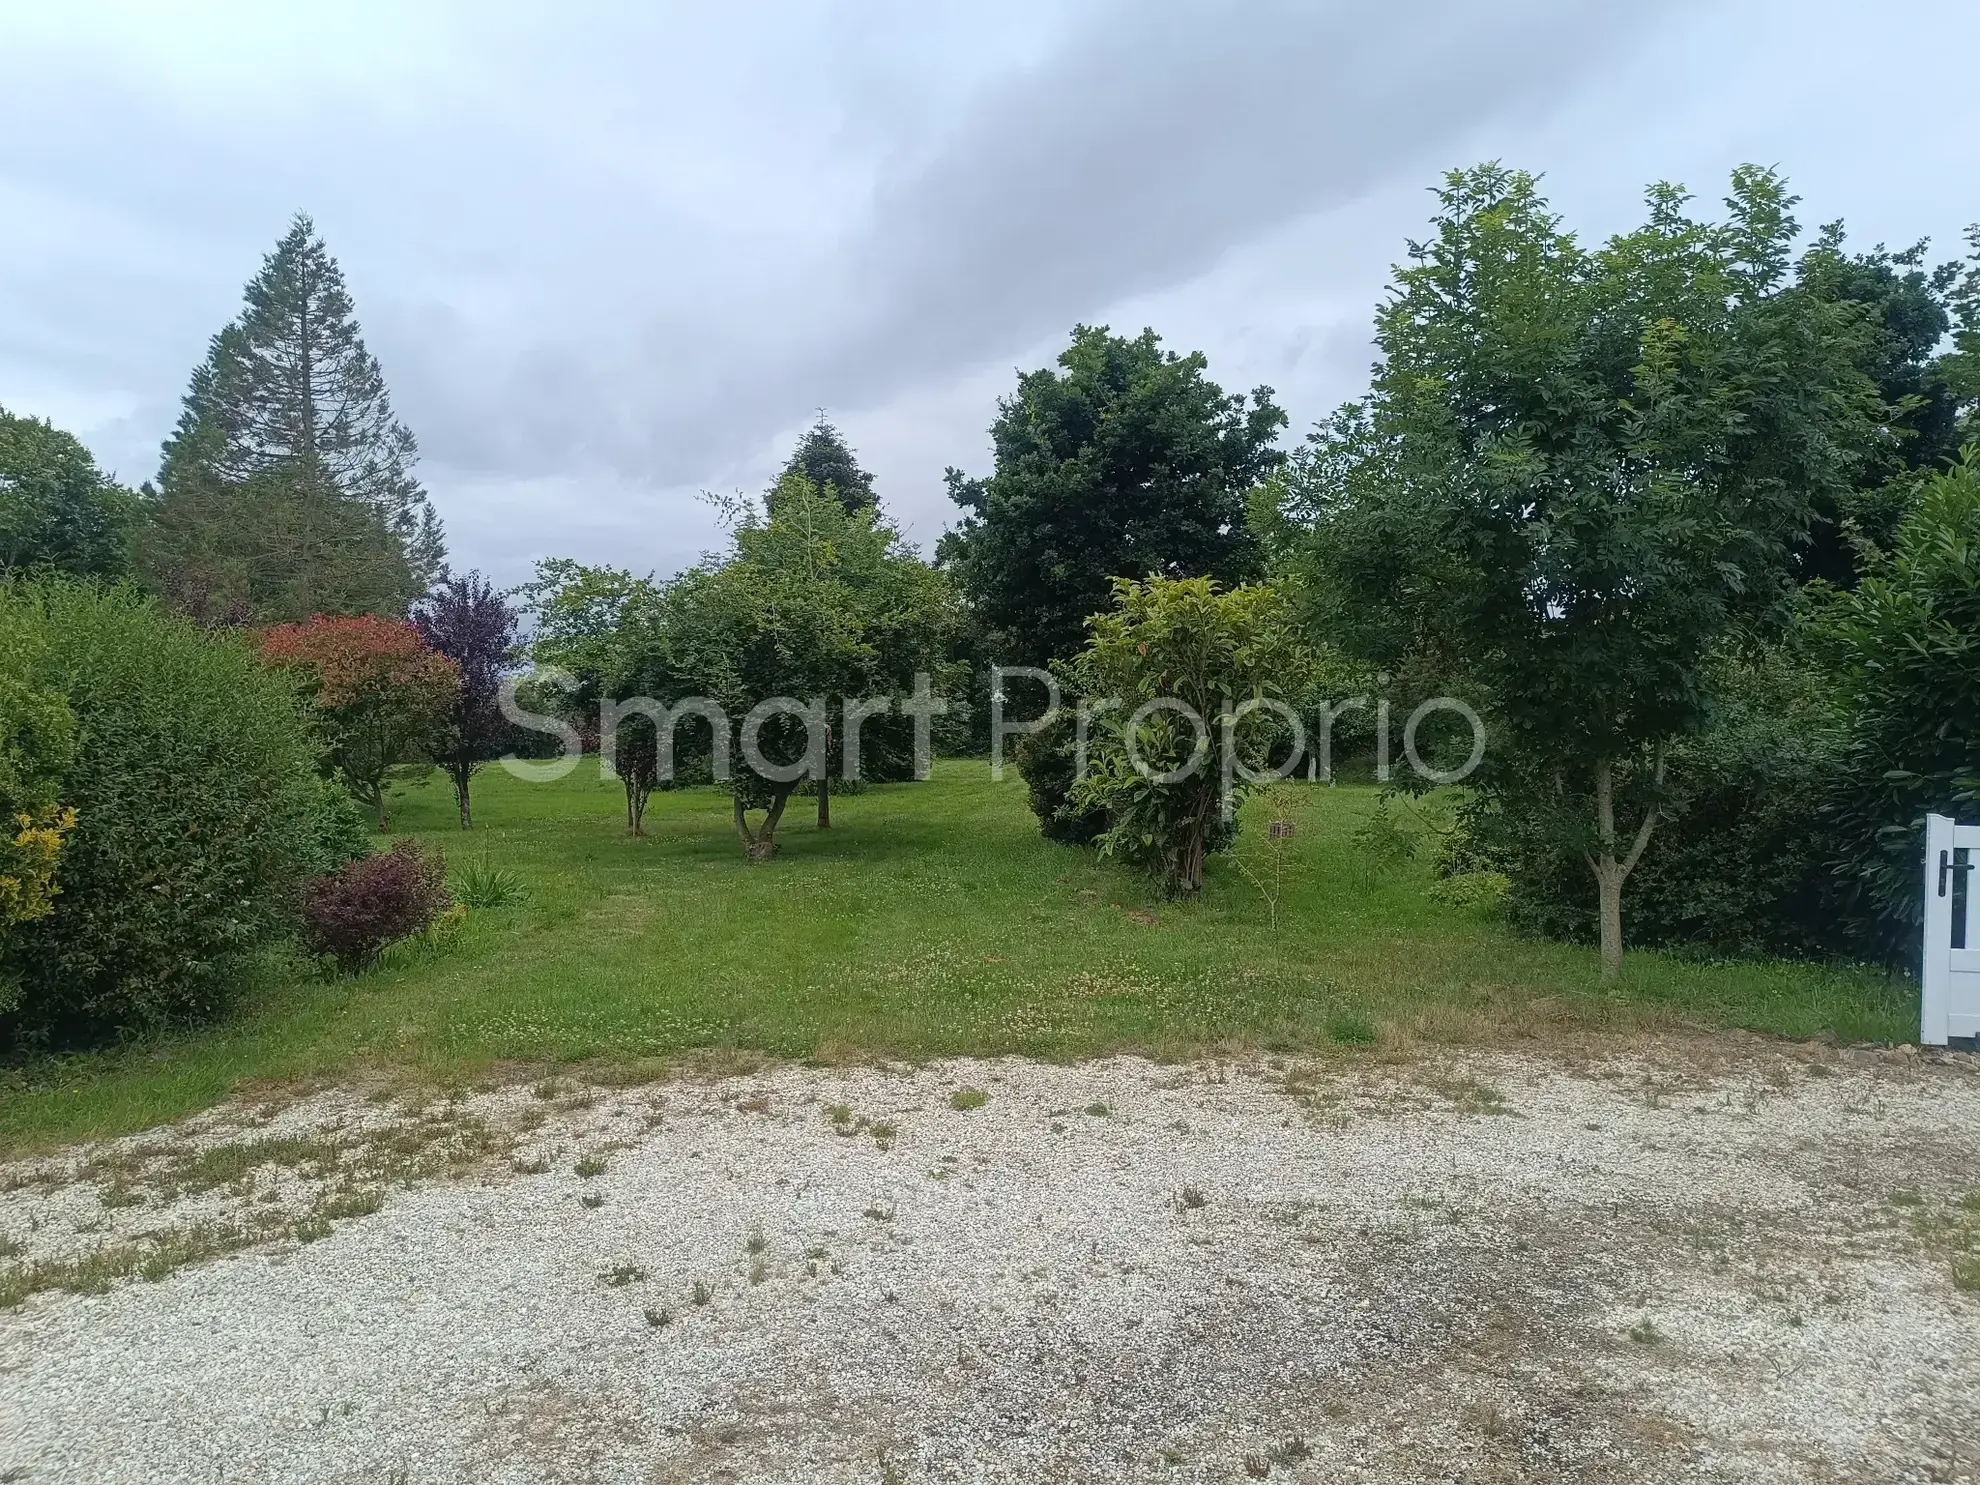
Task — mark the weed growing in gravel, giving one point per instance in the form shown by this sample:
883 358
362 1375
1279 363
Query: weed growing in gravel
622 1274
758 1271
309 1229
1098 1110
700 1294
591 1201
1645 1332
965 1099
880 1214
658 1317
755 1243
536 1165
1966 1273
1189 1199
589 1166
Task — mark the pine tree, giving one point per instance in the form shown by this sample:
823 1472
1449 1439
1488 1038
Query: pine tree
289 479
823 458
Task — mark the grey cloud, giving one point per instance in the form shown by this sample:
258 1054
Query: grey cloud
1151 140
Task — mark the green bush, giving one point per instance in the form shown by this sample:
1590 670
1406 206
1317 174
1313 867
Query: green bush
199 814
1047 760
1906 642
1741 860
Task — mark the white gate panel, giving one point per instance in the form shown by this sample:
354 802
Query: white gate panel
1949 1005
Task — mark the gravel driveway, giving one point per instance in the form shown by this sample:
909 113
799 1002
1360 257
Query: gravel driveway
1721 1260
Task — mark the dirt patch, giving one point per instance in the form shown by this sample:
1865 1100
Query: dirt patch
1710 1260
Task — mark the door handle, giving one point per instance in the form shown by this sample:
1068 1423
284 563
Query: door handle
1947 866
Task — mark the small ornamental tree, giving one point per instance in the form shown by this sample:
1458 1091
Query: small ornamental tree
1171 643
467 620
813 606
382 692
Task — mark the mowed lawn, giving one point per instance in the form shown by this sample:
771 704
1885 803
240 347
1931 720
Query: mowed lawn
931 919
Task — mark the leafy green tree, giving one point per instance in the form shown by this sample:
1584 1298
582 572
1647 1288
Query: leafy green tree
1577 471
58 512
1128 461
823 458
288 454
814 603
1159 777
1908 641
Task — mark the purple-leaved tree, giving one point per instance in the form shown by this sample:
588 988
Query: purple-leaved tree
470 621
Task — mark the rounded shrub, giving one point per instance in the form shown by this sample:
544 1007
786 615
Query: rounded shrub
351 914
199 814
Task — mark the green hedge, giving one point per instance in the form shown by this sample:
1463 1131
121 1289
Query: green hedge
199 815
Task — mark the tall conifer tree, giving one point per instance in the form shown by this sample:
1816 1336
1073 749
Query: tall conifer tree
287 487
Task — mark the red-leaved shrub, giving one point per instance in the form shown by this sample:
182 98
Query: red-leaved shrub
352 914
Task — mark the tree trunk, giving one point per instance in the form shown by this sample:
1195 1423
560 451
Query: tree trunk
1608 888
1610 871
461 798
761 843
825 786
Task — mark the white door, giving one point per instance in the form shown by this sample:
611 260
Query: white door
1950 1005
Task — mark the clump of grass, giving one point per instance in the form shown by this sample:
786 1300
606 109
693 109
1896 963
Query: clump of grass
755 1243
1189 1199
1645 1332
1351 1029
537 1165
701 1294
1966 1273
758 1271
591 1201
965 1099
1098 1110
658 1317
622 1274
590 1165
481 884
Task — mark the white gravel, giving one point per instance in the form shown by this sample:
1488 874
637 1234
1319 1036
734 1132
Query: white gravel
1710 1261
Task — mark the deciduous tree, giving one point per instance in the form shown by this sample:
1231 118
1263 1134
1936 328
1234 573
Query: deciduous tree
58 511
383 692
466 619
1578 469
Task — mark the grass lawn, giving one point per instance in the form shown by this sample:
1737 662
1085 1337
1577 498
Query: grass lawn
931 919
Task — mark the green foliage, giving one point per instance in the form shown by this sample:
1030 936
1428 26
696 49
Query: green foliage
1048 760
814 602
1576 472
1907 641
481 884
277 547
199 814
1745 844
1126 462
823 458
58 512
287 488
1160 783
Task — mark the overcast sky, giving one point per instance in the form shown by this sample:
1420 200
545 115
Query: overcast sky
613 253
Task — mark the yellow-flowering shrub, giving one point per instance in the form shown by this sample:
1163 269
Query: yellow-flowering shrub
28 862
